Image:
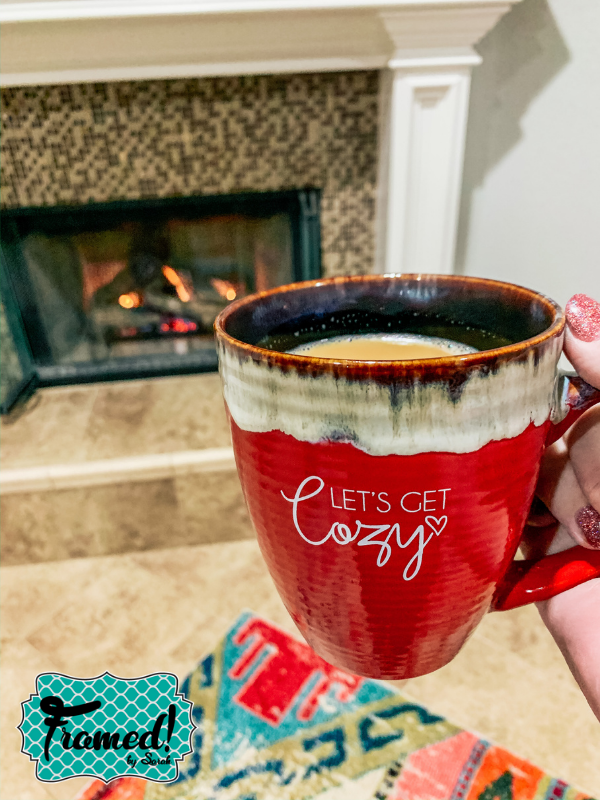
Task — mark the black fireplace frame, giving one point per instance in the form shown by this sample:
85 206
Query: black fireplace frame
303 206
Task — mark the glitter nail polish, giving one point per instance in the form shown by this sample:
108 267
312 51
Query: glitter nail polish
583 317
588 520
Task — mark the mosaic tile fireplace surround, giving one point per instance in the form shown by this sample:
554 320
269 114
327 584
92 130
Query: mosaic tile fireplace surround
82 143
77 146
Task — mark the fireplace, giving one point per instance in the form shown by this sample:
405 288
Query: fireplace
366 101
131 289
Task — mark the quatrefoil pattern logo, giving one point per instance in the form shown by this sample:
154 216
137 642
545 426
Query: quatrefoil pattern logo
106 727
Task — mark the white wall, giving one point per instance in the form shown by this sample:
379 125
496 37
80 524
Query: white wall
530 208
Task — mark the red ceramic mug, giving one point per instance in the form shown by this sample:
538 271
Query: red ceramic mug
389 497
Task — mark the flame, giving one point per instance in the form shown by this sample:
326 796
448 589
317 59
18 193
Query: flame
131 300
175 280
179 325
225 288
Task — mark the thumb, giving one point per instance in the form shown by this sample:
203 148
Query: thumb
582 338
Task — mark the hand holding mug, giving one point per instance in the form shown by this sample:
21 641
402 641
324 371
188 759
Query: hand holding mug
569 486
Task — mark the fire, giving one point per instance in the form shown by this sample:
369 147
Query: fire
182 293
225 288
131 300
179 325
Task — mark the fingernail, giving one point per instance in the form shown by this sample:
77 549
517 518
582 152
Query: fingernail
583 317
588 520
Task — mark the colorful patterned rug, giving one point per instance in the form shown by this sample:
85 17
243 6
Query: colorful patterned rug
276 722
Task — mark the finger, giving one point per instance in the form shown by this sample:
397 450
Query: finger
558 487
540 542
583 444
582 338
572 618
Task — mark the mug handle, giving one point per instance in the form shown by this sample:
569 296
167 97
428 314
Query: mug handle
532 580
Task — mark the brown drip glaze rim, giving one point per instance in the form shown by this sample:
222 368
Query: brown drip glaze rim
355 368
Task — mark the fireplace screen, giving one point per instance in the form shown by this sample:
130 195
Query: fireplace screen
132 289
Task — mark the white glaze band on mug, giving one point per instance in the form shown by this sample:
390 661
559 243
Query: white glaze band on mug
385 420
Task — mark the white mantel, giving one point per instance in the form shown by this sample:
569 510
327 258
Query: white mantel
424 49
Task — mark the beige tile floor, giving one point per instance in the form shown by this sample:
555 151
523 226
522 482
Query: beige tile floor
163 609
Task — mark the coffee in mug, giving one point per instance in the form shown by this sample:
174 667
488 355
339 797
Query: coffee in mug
383 347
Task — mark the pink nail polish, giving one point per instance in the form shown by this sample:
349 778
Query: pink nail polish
583 317
588 520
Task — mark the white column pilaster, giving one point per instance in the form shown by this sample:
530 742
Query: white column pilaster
423 121
423 135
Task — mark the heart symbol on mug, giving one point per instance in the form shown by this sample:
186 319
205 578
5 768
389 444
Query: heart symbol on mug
436 525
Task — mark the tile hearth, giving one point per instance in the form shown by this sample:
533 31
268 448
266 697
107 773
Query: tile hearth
87 426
